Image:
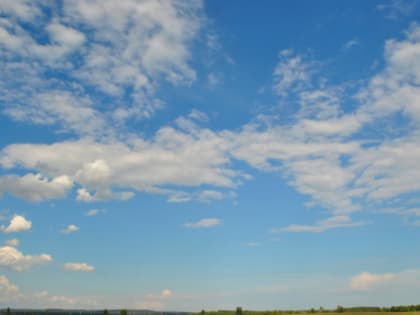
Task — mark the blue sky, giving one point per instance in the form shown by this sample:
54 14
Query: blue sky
183 155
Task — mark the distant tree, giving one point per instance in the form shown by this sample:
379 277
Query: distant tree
203 312
321 309
123 312
105 312
8 311
340 309
239 311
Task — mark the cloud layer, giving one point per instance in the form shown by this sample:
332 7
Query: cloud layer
324 150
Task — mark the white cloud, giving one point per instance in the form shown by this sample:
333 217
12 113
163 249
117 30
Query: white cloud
78 267
13 242
95 173
323 152
69 111
24 10
209 195
46 299
204 223
35 187
291 74
172 157
8 290
400 280
71 228
84 195
65 35
322 225
332 157
166 293
197 115
102 194
17 224
11 295
12 258
366 280
155 301
104 48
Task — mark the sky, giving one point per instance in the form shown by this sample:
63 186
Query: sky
188 155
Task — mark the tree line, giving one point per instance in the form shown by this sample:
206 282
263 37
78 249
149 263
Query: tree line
237 311
338 309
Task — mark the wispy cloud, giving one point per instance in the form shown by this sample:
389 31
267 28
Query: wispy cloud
72 266
204 223
395 9
366 282
351 43
94 212
323 225
292 73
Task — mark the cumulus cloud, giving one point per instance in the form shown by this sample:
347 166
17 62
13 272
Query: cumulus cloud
366 280
12 258
102 194
17 224
13 242
172 158
94 173
71 228
35 187
203 223
8 290
78 267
